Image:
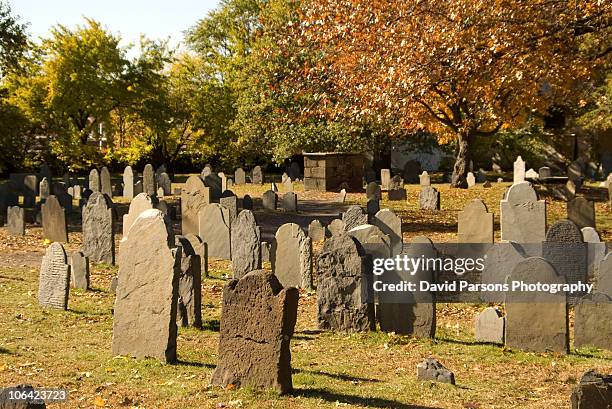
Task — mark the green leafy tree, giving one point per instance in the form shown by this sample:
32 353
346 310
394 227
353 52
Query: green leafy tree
13 39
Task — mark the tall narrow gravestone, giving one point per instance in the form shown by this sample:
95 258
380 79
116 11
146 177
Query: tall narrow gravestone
523 216
128 183
79 270
54 280
475 223
15 220
105 182
189 303
54 221
257 322
140 203
44 189
144 323
581 211
149 184
291 257
94 180
239 177
592 324
385 178
214 229
98 231
390 224
519 170
257 177
194 197
246 250
269 200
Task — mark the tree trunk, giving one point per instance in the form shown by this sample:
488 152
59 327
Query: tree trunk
462 162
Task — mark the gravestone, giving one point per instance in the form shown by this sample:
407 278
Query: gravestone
581 211
295 171
536 321
247 202
164 182
290 202
475 224
257 177
258 318
411 171
373 191
342 196
239 176
15 221
105 182
98 232
372 207
489 326
189 301
214 183
596 250
128 183
353 217
288 185
201 249
432 370
269 200
593 392
291 257
214 230
44 189
316 231
94 181
54 221
138 188
471 180
336 227
424 179
519 170
429 198
522 215
396 195
592 324
396 183
391 225
79 270
544 173
223 181
144 322
265 251
207 171
140 203
30 190
372 240
385 178
54 280
342 282
77 192
194 197
604 278
149 184
500 260
230 203
532 174
246 249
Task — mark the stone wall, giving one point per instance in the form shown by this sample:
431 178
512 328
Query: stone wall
327 171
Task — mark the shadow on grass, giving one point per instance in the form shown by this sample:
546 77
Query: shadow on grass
467 343
211 325
11 278
584 354
5 351
341 377
194 364
334 397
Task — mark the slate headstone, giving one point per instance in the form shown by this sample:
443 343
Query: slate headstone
98 231
596 250
189 302
523 216
391 225
79 270
239 176
290 202
128 183
94 181
214 230
54 279
257 177
353 217
592 326
54 220
138 205
15 221
269 200
105 182
291 257
581 211
316 231
194 197
213 182
246 249
489 326
164 183
149 184
475 224
230 203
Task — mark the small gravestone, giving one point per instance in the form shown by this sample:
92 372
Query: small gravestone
489 326
246 248
201 249
342 196
258 318
523 216
15 221
54 221
94 180
77 192
581 211
223 181
54 280
230 203
593 392
429 198
44 189
475 224
265 251
206 171
140 203
165 184
290 202
291 256
342 275
391 225
499 261
128 183
269 200
471 180
596 250
105 182
411 172
229 183
373 191
30 190
189 302
336 227
213 182
353 217
536 321
98 232
592 326
257 177
239 177
149 184
432 370
385 178
316 231
396 183
214 230
288 185
79 270
424 179
396 195
544 173
519 170
247 202
194 197
372 207
144 322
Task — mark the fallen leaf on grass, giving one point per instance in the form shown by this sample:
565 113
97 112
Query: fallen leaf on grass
99 402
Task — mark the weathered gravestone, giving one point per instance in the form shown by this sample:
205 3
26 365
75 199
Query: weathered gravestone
489 326
596 250
214 183
189 302
336 227
431 369
353 217
79 270
519 170
316 231
144 323
128 183
30 190
288 185
44 189
581 211
206 171
194 197
500 260
475 224
54 221
532 174
471 180
239 176
342 281
201 249
290 202
257 322
391 225
269 200
373 191
593 392
257 177
164 182
372 240
138 205
385 178
230 203
544 173
94 181
536 321
523 216
98 231
592 324
105 182
265 251
149 184
247 202
15 220
54 279
429 198
214 230
342 196
291 257
424 179
246 249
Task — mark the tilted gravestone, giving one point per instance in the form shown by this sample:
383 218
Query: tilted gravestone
201 249
489 326
79 270
519 170
390 224
373 191
128 183
523 216
353 217
189 302
94 181
144 322
269 200
291 257
98 231
257 177
336 227
214 230
138 205
15 221
164 182
213 182
316 231
54 221
592 325
385 178
149 184
429 198
246 249
581 211
424 179
536 321
194 197
258 318
239 177
105 182
54 279
475 224
247 202
231 203
290 202
342 301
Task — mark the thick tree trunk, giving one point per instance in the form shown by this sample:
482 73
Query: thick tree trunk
462 162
